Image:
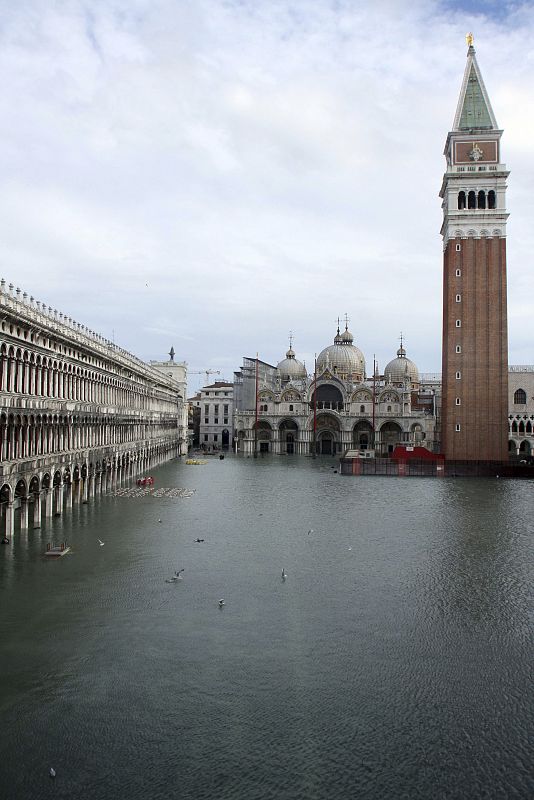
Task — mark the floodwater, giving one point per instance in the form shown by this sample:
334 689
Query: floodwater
393 662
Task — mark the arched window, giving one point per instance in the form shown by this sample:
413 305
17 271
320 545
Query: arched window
472 200
491 199
482 199
520 397
461 200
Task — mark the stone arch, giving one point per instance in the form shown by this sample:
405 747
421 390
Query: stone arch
328 434
418 434
362 435
327 396
288 431
21 488
390 436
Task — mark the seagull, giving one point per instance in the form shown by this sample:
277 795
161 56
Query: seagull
310 531
199 540
101 543
350 548
159 520
52 772
178 575
284 574
221 603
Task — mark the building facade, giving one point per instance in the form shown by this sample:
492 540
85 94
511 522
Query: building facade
77 413
281 409
216 416
521 412
475 342
177 371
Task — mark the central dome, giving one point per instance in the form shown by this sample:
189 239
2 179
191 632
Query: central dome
342 358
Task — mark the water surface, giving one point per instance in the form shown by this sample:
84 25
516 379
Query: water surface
393 662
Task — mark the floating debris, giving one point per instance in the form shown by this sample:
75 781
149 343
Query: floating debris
170 491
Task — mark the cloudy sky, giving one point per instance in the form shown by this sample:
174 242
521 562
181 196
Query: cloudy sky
213 174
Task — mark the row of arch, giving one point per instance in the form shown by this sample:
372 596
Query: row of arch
53 490
289 437
521 427
328 392
476 200
24 436
523 447
26 373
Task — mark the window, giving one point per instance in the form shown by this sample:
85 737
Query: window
206 420
520 396
458 323
205 437
458 428
458 376
458 298
458 248
206 409
458 348
226 409
291 407
216 408
215 437
458 401
225 421
226 394
458 273
389 409
362 409
216 421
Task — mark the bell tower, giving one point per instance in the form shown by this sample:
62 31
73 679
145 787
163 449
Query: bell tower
475 338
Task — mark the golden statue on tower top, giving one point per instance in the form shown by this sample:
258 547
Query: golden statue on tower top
469 38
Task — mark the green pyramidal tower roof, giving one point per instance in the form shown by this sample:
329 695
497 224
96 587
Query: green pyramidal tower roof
474 110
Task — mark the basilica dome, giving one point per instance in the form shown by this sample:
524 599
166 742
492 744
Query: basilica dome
291 368
401 369
342 358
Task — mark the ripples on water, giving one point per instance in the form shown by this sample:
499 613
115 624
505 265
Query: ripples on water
394 661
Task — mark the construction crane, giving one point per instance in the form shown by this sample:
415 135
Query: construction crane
206 372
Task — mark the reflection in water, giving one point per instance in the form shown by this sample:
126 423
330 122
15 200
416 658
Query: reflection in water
393 662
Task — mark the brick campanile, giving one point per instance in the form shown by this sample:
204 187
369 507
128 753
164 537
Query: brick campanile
475 340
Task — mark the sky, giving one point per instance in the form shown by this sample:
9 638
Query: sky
214 174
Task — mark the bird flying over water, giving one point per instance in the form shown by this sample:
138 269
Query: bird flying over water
101 543
310 531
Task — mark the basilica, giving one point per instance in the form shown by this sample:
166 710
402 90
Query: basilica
339 408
